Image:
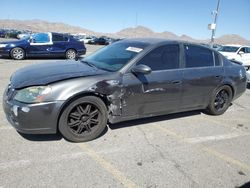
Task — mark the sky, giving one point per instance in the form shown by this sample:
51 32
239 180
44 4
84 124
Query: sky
189 17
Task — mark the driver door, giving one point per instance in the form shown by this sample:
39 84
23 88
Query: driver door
40 45
157 92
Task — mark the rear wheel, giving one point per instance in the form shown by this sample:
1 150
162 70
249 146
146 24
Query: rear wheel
70 54
220 101
17 53
83 119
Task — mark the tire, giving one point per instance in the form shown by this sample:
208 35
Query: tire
84 119
70 54
220 100
17 53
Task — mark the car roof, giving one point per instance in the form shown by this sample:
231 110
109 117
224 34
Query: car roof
155 41
150 40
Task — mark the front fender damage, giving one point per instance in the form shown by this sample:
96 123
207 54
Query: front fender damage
112 91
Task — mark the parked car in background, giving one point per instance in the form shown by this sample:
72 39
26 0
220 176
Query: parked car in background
86 39
2 33
101 41
43 45
92 40
239 53
23 35
236 52
129 79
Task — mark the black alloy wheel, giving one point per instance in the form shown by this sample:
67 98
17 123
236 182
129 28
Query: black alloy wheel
220 100
83 119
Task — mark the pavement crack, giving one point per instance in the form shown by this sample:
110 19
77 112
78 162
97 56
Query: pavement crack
150 144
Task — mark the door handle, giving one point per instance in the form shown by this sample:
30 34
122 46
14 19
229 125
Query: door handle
176 82
218 76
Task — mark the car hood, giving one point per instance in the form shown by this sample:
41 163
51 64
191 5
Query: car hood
46 73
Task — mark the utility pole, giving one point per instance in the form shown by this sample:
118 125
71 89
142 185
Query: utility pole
213 25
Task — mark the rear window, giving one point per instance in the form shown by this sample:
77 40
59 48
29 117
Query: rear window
196 56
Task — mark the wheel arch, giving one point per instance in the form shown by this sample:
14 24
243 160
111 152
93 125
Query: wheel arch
103 97
231 86
71 48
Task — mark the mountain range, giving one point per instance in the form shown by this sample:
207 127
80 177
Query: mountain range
139 31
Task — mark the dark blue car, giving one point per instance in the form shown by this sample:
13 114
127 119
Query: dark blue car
43 45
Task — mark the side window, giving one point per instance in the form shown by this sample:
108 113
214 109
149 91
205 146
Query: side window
198 56
242 50
162 58
41 38
248 50
59 38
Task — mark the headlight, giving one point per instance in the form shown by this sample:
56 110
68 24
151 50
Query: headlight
3 45
34 94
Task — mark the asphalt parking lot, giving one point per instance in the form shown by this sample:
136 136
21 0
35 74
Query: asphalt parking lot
180 150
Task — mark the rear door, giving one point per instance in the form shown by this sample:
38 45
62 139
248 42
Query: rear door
60 44
159 91
202 73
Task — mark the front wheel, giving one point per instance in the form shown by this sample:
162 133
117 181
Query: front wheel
220 101
17 53
83 119
70 54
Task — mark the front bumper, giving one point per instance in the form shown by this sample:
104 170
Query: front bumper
40 118
81 52
5 52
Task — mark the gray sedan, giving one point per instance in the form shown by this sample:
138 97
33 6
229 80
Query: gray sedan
130 79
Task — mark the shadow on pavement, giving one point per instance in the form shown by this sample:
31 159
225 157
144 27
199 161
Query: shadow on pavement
58 136
51 137
42 137
246 185
153 119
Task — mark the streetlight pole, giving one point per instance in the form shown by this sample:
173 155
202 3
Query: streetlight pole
215 21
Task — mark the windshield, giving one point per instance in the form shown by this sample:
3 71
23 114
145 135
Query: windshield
114 57
229 49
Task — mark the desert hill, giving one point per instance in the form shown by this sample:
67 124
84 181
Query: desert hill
140 31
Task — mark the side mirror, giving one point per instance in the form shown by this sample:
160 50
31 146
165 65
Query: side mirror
141 69
240 52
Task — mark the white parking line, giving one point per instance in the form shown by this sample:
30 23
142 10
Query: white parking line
58 158
215 138
6 128
25 163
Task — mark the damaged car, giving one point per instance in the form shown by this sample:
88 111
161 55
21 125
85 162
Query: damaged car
130 79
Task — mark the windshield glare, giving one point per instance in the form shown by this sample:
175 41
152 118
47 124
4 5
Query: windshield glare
114 57
229 49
